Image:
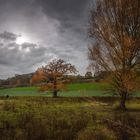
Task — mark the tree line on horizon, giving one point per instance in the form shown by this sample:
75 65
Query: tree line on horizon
23 80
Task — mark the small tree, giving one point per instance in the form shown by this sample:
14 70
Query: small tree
88 74
52 73
115 27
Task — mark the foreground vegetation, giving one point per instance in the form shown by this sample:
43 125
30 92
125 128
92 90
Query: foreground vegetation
41 118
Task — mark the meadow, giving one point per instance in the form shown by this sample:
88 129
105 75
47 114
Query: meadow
72 90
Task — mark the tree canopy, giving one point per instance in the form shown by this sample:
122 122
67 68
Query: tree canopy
52 74
115 27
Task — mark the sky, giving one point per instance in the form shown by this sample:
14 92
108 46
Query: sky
34 32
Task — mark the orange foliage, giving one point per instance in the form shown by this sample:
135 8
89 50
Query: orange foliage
52 74
115 27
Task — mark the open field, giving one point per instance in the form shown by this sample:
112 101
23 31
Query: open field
41 118
79 117
73 90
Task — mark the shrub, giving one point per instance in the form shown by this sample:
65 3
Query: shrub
96 134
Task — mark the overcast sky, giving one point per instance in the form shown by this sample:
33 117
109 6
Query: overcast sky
33 32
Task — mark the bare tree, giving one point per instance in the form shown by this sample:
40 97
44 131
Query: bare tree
115 27
53 72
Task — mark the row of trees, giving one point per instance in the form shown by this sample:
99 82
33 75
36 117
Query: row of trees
26 79
17 80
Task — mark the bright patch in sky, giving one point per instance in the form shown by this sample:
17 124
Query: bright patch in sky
20 40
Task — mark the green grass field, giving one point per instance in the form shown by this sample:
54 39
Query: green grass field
73 90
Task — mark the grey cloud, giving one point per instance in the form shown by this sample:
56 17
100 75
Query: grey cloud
28 45
20 60
73 14
11 45
64 9
8 36
59 27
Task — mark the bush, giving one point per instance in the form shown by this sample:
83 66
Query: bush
96 134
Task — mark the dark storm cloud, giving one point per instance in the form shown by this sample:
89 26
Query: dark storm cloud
67 11
72 14
59 27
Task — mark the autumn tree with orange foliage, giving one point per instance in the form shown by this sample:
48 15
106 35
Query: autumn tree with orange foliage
52 74
115 27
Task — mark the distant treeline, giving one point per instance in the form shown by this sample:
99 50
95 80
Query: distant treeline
17 80
25 80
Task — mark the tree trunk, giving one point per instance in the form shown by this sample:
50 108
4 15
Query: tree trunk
55 88
55 94
123 101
